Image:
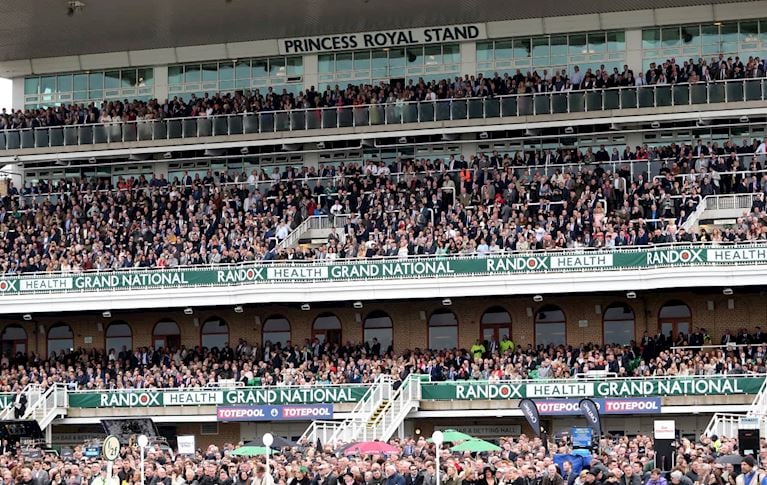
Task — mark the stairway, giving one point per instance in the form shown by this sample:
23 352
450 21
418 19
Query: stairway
727 424
314 230
376 417
43 406
718 210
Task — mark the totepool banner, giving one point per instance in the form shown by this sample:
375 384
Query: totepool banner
258 273
571 407
435 391
300 412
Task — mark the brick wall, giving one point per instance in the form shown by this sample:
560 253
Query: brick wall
584 313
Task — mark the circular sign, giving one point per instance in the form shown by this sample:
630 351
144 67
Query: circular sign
111 448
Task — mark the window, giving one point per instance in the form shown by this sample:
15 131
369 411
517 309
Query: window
166 334
327 328
226 76
618 324
214 334
276 329
378 325
60 339
674 318
94 86
13 340
495 325
550 326
119 337
443 330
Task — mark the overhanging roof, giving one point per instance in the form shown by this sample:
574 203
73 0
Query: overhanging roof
42 28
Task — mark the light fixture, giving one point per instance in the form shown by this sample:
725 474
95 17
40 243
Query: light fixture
484 135
92 160
447 302
27 317
631 295
320 145
167 155
727 291
106 314
188 311
306 307
569 130
402 140
743 119
142 441
238 309
655 124
718 24
702 122
244 150
538 298
357 305
417 431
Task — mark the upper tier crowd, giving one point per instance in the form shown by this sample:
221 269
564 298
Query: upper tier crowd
481 205
667 72
314 363
522 460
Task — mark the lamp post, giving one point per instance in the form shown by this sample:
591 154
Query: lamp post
437 437
268 439
142 442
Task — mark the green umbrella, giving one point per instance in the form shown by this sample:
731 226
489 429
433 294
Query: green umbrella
475 445
251 451
453 436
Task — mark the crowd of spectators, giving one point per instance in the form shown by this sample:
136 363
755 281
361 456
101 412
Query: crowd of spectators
477 205
667 72
314 363
523 460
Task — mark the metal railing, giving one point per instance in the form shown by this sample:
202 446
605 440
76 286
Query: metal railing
730 201
316 222
400 113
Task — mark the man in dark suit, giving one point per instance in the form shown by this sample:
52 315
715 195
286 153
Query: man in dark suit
414 477
326 476
727 338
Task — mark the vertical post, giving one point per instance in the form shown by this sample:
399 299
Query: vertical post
268 439
438 437
142 442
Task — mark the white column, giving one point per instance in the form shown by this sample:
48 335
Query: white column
468 58
17 93
634 51
311 71
161 82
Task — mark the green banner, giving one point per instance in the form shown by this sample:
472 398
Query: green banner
7 400
227 397
682 386
413 268
436 391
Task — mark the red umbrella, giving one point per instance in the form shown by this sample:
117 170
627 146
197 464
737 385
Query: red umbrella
369 448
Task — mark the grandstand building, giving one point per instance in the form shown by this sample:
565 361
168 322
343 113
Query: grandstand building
550 174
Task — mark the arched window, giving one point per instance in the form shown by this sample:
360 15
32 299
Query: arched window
443 330
495 325
13 340
214 333
119 337
550 326
166 335
618 324
327 328
378 325
60 338
674 318
276 330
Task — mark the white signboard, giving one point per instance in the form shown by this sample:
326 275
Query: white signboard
748 422
383 39
186 445
665 429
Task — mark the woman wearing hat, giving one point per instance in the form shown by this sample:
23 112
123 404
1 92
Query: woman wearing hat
300 476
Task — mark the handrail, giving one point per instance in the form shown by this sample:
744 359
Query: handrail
399 113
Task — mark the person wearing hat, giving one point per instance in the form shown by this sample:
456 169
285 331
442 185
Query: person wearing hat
348 479
300 476
488 477
716 477
750 475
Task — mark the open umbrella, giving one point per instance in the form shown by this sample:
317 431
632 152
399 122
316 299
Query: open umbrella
368 448
278 443
475 445
453 436
250 451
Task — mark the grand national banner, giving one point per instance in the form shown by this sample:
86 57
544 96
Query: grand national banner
265 273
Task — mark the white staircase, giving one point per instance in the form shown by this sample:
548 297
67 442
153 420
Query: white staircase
377 416
316 228
727 424
721 209
43 405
